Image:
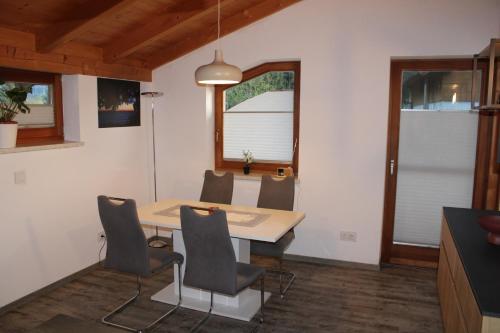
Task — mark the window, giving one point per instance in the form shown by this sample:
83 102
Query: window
439 90
260 114
434 156
44 122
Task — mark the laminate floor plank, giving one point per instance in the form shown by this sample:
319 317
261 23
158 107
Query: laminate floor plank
322 299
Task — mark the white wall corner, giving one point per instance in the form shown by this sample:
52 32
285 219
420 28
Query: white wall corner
210 127
71 110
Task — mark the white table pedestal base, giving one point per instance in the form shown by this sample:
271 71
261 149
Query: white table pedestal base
245 311
243 306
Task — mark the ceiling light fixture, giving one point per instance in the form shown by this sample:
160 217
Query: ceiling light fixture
218 72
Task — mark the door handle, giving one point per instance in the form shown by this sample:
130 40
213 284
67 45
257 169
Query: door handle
391 167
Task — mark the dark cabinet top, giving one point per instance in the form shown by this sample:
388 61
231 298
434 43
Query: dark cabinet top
481 259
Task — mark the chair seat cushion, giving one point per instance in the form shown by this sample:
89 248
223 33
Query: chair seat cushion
269 249
161 257
247 274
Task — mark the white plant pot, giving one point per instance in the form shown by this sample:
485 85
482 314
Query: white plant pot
8 135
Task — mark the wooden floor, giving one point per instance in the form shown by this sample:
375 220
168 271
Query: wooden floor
322 299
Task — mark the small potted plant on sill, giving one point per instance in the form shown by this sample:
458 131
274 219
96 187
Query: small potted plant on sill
12 101
247 159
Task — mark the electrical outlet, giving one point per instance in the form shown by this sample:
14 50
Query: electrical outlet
101 236
348 236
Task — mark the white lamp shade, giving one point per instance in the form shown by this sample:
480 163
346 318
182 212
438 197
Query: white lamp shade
218 72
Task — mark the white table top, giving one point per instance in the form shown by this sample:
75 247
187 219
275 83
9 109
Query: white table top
274 224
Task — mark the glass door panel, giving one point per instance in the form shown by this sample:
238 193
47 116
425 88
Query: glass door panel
437 150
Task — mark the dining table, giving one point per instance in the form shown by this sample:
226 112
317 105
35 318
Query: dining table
245 224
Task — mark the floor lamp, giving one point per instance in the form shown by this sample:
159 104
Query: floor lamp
155 241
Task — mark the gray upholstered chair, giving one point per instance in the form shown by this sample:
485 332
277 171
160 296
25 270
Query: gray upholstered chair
210 260
276 194
217 189
128 251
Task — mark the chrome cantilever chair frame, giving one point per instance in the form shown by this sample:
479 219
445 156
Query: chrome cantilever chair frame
210 233
209 313
277 194
283 273
105 319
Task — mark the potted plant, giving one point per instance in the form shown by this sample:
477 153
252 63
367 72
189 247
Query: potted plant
248 159
12 98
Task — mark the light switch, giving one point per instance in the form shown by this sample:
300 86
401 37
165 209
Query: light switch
20 177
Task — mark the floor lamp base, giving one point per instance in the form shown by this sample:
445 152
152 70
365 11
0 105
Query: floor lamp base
157 243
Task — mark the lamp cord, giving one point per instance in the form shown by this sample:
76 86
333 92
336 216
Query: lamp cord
154 147
100 250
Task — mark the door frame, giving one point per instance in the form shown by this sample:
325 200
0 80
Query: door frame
408 254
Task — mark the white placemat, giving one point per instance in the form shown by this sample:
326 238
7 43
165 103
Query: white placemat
244 219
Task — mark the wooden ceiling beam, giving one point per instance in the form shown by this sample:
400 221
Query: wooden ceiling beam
86 16
152 29
209 34
17 50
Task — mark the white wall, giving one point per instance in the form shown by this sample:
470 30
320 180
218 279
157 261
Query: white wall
49 227
345 48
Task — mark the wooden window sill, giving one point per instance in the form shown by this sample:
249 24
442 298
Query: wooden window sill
41 145
253 175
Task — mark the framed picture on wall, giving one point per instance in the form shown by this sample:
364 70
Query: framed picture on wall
118 103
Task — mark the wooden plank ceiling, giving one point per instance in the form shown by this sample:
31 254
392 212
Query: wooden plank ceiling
116 38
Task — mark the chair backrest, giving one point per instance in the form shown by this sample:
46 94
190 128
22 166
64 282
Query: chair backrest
127 248
210 258
276 194
217 189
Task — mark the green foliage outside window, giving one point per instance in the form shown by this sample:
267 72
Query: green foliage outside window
271 81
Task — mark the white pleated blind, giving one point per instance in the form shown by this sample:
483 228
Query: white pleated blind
39 116
436 169
262 124
267 135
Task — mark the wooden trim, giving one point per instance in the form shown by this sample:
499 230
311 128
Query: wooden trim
85 17
128 38
413 262
27 136
207 34
174 19
414 256
394 253
17 50
483 157
220 163
486 180
391 154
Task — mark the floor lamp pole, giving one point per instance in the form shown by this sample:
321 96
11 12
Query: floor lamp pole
156 241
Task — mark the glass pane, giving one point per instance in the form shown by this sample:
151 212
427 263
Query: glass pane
41 94
40 103
439 90
258 116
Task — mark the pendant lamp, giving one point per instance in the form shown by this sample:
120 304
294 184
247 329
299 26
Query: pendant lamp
218 72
